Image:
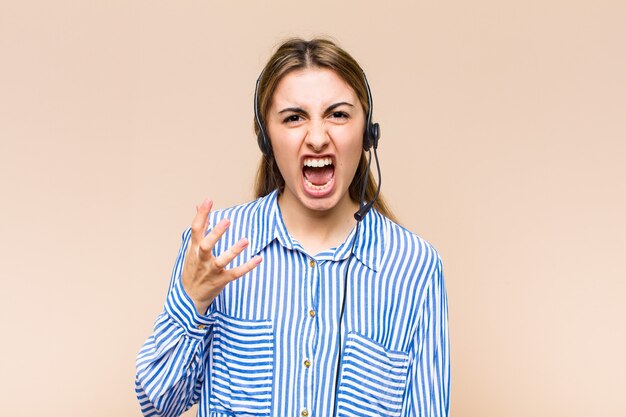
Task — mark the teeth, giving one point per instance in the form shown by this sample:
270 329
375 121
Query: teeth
317 163
317 187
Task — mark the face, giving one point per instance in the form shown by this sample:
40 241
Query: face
316 125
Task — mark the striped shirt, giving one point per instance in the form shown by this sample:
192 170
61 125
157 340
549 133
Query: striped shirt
268 345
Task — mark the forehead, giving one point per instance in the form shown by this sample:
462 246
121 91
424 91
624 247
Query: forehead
313 87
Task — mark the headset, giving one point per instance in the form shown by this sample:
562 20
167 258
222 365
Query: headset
370 142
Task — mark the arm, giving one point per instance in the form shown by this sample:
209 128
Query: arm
170 365
428 387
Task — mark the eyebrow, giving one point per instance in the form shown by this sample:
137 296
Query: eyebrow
328 109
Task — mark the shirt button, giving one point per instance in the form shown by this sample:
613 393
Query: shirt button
312 313
307 363
201 326
304 413
312 263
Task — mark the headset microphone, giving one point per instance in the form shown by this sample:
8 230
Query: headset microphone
365 208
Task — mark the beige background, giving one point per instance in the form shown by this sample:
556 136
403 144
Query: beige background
504 143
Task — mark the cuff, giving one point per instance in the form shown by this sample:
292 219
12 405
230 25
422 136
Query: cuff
182 310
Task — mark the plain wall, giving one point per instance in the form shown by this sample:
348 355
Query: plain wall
503 143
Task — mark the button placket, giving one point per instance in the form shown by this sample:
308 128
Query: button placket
311 331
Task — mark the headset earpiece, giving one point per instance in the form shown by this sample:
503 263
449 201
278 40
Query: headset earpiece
372 134
264 143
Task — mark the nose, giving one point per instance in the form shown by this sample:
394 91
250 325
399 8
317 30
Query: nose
317 137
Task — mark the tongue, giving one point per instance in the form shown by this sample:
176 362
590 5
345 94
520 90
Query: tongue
319 176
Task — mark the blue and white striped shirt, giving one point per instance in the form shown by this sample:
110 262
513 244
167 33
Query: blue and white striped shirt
268 345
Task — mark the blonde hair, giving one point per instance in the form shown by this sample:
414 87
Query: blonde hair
296 54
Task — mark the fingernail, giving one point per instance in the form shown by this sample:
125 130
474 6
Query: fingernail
206 202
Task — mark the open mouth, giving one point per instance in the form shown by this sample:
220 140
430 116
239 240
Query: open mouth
318 173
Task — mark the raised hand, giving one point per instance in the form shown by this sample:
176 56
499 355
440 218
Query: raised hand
204 275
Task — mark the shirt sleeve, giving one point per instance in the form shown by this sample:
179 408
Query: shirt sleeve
428 387
170 365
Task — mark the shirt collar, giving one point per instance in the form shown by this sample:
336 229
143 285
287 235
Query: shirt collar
269 225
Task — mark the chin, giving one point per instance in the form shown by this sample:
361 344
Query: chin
320 204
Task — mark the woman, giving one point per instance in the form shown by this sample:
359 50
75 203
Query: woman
287 305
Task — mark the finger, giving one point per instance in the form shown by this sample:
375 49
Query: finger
232 252
200 221
245 268
209 241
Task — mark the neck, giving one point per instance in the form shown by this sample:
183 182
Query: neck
315 230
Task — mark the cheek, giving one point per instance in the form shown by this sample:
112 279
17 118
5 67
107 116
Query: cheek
347 137
286 155
286 140
280 138
355 163
350 162
354 148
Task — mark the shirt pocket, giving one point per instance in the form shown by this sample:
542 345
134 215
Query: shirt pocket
372 380
242 366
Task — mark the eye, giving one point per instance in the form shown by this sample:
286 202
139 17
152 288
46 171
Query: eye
292 118
339 115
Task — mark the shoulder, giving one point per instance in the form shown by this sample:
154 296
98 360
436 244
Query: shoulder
246 220
239 211
406 248
260 207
